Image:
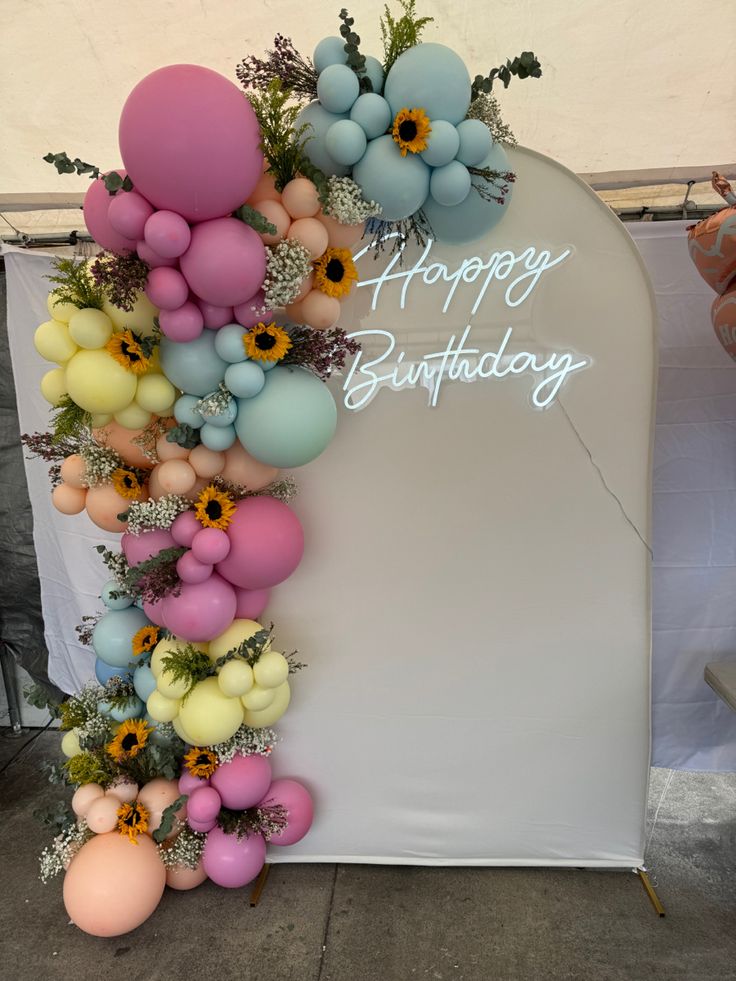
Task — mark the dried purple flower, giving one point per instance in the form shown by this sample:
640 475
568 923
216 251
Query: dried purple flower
321 351
284 63
121 277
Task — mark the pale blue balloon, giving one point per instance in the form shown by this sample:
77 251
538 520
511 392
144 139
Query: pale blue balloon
319 120
122 602
186 413
432 77
329 51
475 217
291 421
373 114
475 142
132 709
450 185
144 681
338 88
103 672
194 367
217 438
113 635
229 343
442 144
221 419
345 142
268 365
374 71
245 380
399 184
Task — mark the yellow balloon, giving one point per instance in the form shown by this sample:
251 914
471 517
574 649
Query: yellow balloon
133 416
235 678
208 715
162 709
271 670
164 647
181 732
267 717
90 328
100 419
70 744
98 383
236 633
258 698
52 341
170 688
155 393
139 319
59 310
53 385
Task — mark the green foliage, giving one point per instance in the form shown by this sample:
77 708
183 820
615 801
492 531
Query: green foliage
183 435
40 698
255 219
55 772
524 65
318 178
398 35
248 650
118 693
487 110
69 420
57 816
167 819
153 578
75 285
355 59
88 767
188 665
73 714
65 165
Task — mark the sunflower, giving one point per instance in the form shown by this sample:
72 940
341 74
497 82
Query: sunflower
126 483
200 762
214 508
335 272
129 740
144 640
411 129
127 351
132 820
266 342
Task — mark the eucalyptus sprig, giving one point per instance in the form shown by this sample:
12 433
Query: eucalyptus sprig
355 59
183 435
524 65
400 34
168 819
249 649
257 221
65 165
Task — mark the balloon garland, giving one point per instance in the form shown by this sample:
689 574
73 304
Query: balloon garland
190 359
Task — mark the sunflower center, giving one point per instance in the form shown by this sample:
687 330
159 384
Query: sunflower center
129 741
203 760
129 352
408 130
265 341
335 271
213 510
128 480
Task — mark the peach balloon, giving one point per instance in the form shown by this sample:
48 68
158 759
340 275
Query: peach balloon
207 463
69 500
120 439
295 313
276 213
307 287
104 504
182 878
241 468
154 487
170 451
125 790
300 198
320 310
102 814
265 190
72 471
311 233
199 485
113 884
85 796
156 796
176 477
342 236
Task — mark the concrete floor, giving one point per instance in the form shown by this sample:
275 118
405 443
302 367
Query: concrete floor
375 923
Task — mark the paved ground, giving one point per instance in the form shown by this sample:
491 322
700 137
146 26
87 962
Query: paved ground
374 923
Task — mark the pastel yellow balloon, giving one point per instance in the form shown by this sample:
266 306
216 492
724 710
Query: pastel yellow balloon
90 328
181 731
258 698
133 416
236 633
271 670
70 744
162 709
53 385
53 342
169 687
208 715
100 419
58 309
98 383
164 647
155 393
235 678
139 319
266 717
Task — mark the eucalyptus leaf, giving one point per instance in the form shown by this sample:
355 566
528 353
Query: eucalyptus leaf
167 819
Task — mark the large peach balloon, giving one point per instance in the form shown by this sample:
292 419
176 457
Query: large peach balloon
181 878
120 439
241 468
104 504
113 885
341 236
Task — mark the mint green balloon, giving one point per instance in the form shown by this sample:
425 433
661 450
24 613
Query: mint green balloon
290 422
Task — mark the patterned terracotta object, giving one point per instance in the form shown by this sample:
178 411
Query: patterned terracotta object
723 314
712 245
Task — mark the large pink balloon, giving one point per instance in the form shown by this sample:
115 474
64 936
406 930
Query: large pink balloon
201 611
242 782
298 802
266 544
225 263
190 142
232 863
96 203
251 603
138 548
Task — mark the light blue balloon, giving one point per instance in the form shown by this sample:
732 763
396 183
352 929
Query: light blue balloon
373 114
218 438
450 185
442 144
144 681
267 365
245 380
319 120
475 217
133 709
194 367
345 142
103 672
399 184
329 51
186 413
121 603
221 419
113 635
374 71
475 142
338 88
229 343
431 76
291 421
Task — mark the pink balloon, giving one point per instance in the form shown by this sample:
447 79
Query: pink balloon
154 612
166 288
226 262
298 802
231 862
191 570
266 544
215 317
184 528
168 234
182 325
202 826
151 258
191 142
96 205
242 782
210 545
138 548
250 313
188 783
251 603
204 804
128 214
202 610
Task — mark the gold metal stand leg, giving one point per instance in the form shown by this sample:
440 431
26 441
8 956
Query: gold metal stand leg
650 891
255 896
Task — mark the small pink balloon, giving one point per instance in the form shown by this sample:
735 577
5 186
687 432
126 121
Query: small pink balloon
225 263
210 545
243 781
95 207
319 310
128 214
188 783
201 826
300 198
200 611
151 258
215 317
277 214
204 804
251 603
184 528
241 468
138 548
266 544
176 476
342 236
191 570
233 862
184 324
183 879
311 233
168 234
166 288
206 462
250 313
298 802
